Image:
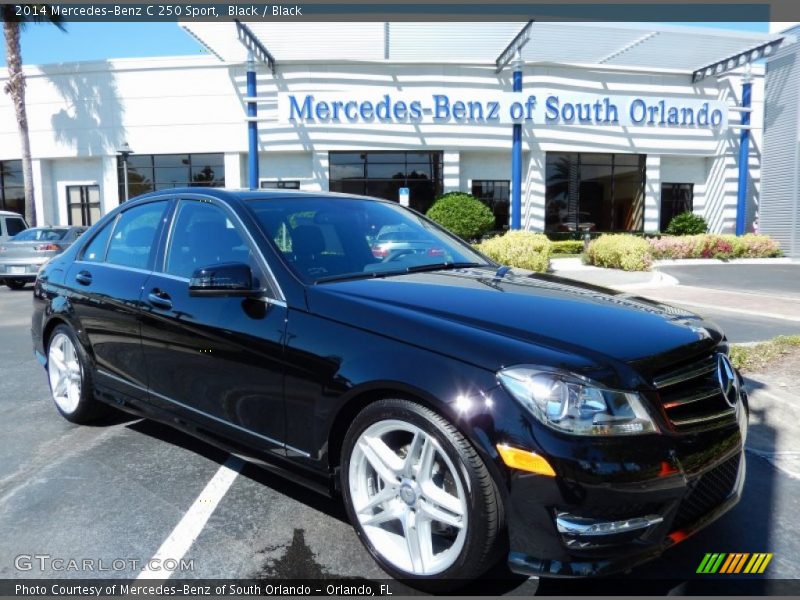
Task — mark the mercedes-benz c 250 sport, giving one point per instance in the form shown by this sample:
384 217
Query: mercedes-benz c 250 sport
465 412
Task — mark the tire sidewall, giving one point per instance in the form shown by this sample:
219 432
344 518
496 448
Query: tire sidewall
416 415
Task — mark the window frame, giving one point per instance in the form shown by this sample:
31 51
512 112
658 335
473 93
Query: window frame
271 290
112 220
597 159
674 185
494 182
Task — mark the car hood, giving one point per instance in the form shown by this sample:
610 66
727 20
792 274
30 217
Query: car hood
491 321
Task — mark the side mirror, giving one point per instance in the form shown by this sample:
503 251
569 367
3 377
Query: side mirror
224 279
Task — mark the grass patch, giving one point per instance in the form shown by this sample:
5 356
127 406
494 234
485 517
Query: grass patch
752 358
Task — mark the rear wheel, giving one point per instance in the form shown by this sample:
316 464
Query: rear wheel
419 496
16 284
70 378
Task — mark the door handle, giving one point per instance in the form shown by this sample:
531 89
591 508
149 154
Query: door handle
159 299
83 277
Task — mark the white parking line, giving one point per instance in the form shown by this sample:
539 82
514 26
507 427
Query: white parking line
191 525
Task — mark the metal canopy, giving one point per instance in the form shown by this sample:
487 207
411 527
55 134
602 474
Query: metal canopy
624 45
254 45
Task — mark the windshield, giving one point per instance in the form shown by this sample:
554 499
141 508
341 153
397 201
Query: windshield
325 239
40 234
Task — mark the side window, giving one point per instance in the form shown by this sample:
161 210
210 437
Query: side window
95 250
202 235
14 226
133 237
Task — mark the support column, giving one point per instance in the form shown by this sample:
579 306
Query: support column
516 156
109 196
38 194
744 155
652 193
233 170
252 124
452 172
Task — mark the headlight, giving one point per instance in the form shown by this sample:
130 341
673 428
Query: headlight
574 404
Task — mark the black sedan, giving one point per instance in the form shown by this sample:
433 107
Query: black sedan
464 411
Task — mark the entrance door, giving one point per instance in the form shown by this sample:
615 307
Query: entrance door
83 204
676 198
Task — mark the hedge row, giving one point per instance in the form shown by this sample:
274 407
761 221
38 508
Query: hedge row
521 249
633 253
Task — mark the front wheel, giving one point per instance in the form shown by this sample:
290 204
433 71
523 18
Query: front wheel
419 496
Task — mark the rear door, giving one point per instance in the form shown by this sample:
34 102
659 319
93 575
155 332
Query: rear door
217 360
106 283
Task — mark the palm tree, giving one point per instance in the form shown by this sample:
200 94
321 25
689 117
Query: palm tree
15 86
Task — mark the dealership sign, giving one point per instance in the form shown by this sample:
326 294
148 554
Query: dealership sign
550 108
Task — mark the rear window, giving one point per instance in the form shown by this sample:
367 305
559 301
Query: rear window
14 226
40 234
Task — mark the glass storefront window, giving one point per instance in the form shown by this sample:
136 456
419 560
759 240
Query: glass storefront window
382 174
594 192
150 172
494 194
12 190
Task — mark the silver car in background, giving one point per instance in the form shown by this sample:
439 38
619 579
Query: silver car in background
22 256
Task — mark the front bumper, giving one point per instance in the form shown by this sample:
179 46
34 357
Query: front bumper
656 491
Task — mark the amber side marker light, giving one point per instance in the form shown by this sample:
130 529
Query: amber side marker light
525 460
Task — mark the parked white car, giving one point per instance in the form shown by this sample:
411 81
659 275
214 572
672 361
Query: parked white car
11 224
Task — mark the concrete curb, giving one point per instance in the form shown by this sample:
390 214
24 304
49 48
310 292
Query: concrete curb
716 261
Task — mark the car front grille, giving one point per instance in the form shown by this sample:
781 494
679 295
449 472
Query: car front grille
711 490
692 397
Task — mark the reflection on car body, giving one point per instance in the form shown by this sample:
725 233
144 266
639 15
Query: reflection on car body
461 409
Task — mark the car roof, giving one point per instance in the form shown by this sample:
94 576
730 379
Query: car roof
8 213
239 194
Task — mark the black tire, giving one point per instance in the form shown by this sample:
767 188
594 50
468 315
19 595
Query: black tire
485 535
88 409
16 284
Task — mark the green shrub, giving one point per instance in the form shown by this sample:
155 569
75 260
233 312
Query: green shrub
687 223
567 247
463 214
619 251
521 249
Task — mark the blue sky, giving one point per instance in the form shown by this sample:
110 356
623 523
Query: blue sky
44 44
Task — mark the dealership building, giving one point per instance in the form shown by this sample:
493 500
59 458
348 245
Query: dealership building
565 127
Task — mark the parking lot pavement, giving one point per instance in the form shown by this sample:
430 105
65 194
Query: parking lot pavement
750 302
117 491
776 280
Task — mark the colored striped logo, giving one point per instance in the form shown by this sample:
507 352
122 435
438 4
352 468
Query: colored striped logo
736 562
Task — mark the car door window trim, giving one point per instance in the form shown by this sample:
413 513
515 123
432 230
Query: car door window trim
277 296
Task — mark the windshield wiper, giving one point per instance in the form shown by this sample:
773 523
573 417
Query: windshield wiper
395 272
351 276
442 266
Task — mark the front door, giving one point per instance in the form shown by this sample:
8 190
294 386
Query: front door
218 360
83 204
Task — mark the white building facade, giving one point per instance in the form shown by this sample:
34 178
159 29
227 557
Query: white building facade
607 146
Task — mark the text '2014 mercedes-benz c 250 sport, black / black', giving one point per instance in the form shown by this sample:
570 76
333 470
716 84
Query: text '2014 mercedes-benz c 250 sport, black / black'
465 412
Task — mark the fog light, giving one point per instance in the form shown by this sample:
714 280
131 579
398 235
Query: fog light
590 529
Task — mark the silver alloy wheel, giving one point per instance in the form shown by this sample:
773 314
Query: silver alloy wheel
408 497
64 370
